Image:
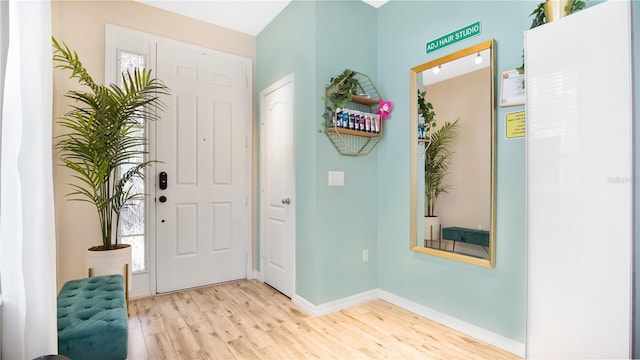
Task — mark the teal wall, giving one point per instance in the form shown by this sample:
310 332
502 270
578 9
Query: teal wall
318 40
493 299
346 38
288 46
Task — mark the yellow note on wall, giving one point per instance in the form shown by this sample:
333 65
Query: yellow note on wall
515 124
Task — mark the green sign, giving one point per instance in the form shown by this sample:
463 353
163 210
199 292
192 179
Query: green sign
452 38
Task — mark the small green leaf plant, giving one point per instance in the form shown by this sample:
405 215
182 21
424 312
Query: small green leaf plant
338 93
428 115
539 18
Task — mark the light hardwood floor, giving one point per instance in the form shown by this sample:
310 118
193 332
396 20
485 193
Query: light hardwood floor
250 320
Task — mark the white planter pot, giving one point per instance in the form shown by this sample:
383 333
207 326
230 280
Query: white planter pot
116 261
431 229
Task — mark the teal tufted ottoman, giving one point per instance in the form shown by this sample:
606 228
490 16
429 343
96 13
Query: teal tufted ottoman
92 319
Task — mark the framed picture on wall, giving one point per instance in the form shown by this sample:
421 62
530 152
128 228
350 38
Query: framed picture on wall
511 88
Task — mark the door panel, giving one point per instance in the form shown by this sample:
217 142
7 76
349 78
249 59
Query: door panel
185 147
278 203
204 225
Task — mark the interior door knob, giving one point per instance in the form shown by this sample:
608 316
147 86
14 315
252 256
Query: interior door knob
286 201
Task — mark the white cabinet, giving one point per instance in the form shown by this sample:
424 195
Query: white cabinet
579 182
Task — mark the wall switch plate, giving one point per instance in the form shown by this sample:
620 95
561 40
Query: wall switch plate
336 178
365 255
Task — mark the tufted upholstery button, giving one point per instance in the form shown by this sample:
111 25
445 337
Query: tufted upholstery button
92 318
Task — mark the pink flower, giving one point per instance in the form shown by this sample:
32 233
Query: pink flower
384 109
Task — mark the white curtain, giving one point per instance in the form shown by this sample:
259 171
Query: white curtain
27 237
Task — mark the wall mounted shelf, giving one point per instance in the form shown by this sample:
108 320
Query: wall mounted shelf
346 139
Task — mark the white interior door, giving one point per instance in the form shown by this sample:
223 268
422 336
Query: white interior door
277 189
203 222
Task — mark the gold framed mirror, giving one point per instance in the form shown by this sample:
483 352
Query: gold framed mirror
453 162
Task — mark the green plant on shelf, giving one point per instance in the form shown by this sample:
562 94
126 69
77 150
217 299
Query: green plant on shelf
425 110
540 18
338 93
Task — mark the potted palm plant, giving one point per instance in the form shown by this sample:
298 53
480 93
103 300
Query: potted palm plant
104 148
437 157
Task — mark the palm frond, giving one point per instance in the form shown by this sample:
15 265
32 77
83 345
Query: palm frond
436 163
103 135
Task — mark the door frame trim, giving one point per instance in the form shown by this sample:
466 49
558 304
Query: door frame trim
145 283
262 224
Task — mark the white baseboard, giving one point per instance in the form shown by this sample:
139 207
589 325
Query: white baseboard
466 328
255 275
333 306
139 296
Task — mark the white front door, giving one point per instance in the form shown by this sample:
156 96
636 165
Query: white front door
203 219
277 189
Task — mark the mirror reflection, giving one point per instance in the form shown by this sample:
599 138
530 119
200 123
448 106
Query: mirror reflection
452 180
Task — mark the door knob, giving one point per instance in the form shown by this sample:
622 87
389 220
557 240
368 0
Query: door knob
162 198
286 201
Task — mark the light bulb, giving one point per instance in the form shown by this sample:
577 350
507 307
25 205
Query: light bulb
478 59
436 69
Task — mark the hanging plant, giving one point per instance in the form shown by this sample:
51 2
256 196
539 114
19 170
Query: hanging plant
338 93
425 109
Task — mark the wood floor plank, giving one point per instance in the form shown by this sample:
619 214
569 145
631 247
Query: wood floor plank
137 349
242 349
284 338
251 331
182 339
188 309
210 341
249 320
368 339
168 306
223 325
150 316
202 298
134 318
196 355
276 352
159 347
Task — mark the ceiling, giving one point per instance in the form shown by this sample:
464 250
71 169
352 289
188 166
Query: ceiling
245 16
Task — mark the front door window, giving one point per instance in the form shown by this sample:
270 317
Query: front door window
132 217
